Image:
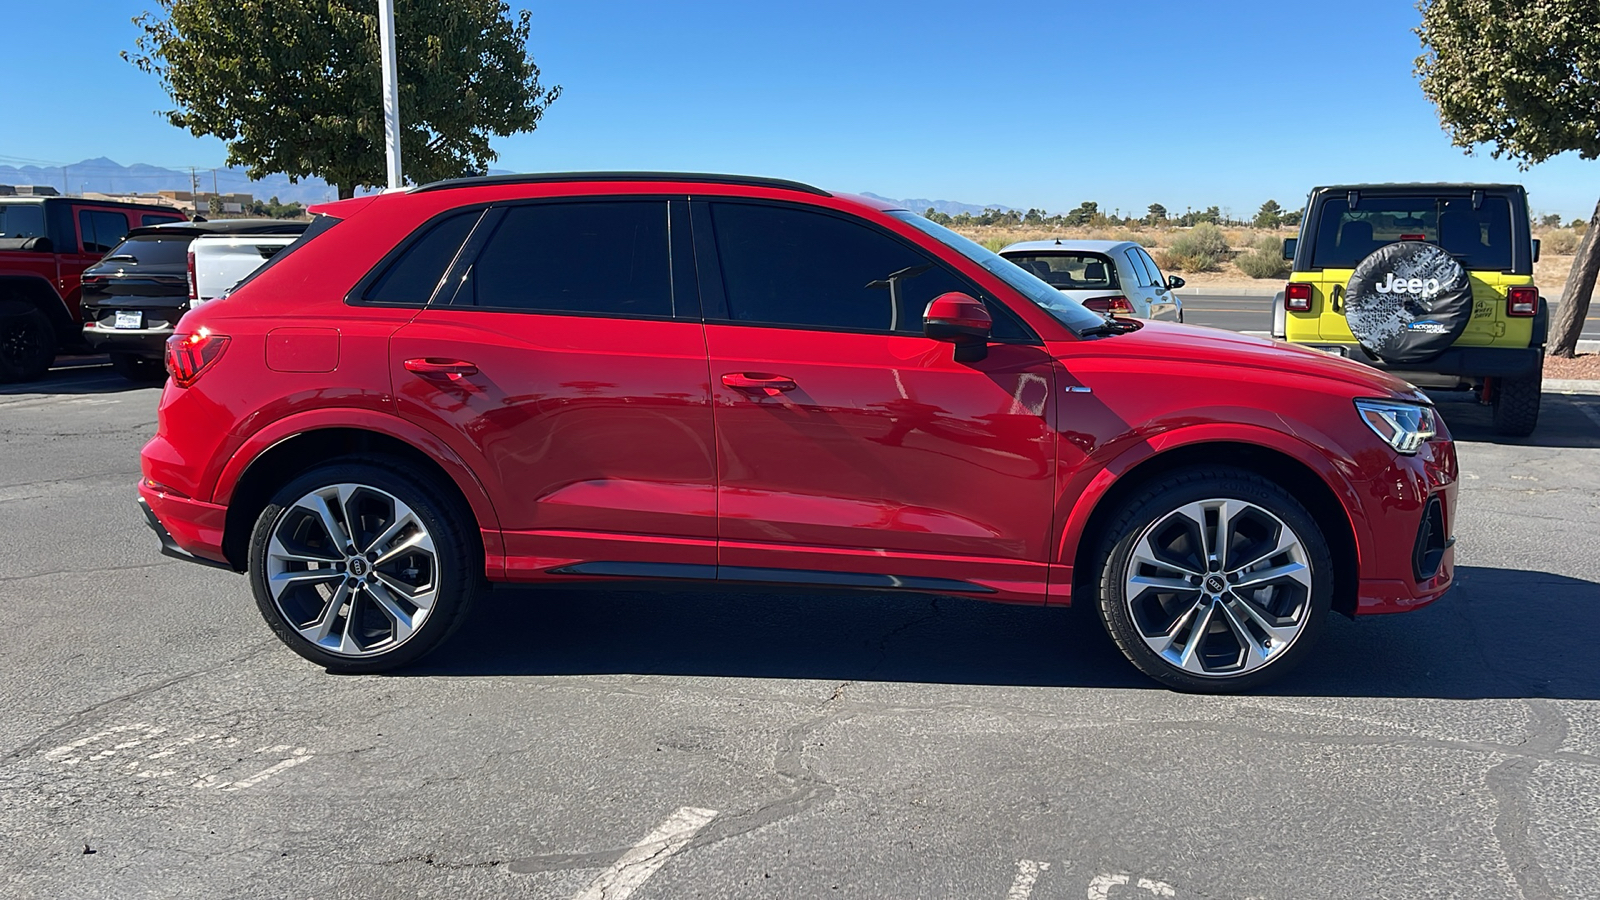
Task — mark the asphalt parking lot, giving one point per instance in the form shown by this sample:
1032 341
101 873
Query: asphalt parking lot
156 741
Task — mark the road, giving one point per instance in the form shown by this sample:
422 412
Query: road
156 741
1254 314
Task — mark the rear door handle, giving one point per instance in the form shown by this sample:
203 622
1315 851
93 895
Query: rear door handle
427 367
768 385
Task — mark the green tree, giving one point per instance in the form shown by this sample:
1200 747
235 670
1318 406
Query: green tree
1521 78
1270 215
1551 220
295 86
1156 214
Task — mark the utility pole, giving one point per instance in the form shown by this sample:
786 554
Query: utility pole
391 90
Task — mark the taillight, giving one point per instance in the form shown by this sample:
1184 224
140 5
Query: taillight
1297 297
1112 306
189 355
194 285
1522 301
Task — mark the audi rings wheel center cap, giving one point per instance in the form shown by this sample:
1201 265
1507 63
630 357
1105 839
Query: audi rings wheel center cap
358 567
1215 584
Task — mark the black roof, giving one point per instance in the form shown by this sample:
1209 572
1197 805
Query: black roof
556 177
223 226
1399 187
87 201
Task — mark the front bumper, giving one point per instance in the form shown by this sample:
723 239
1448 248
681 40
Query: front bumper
1409 508
187 529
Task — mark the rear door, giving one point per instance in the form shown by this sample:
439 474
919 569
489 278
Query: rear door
851 449
564 359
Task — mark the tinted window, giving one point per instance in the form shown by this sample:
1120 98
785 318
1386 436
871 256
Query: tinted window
1139 273
794 267
597 257
1479 238
1070 271
147 219
101 229
153 250
22 220
1151 268
412 278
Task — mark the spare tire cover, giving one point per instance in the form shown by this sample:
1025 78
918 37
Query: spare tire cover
1408 302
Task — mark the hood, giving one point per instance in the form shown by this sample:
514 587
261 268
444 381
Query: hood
1193 343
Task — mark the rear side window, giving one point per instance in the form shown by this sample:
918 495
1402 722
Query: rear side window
22 220
100 230
794 267
1478 238
412 278
1070 271
153 250
158 220
590 258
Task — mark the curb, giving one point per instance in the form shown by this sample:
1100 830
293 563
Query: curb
1571 386
1227 292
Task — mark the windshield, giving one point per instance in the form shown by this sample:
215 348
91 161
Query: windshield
151 250
1069 312
21 220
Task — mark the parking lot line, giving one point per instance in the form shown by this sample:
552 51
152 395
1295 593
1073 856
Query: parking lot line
636 866
1028 872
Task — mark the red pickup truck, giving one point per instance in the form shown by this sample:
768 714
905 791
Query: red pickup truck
45 244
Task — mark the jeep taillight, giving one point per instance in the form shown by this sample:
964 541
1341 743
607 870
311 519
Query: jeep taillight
1522 301
1297 297
1111 306
194 284
189 355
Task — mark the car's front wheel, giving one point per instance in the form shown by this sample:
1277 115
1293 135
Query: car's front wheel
1214 580
363 564
27 344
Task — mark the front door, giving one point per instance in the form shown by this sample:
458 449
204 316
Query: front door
571 374
849 443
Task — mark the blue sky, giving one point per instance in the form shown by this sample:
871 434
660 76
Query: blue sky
1128 103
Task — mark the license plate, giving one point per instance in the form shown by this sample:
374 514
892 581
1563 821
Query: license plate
130 319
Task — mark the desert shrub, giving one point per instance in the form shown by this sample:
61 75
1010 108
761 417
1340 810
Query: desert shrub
1200 249
1265 259
995 243
1560 242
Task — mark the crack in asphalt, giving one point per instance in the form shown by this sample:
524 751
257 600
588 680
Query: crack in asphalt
1507 784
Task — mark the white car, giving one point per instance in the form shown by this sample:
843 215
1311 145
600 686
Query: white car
219 261
1111 277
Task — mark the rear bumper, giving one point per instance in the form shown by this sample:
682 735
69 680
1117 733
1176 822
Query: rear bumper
146 342
187 529
1493 362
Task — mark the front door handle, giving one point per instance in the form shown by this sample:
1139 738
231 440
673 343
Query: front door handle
429 367
768 385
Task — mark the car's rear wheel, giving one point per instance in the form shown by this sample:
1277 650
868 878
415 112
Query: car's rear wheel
138 369
364 565
1514 403
1214 580
27 345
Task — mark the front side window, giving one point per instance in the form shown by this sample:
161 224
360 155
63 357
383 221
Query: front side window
1139 272
1076 271
1150 267
587 258
784 266
1063 308
1478 238
100 230
21 220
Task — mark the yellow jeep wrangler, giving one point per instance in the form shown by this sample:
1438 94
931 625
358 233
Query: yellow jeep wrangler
1433 282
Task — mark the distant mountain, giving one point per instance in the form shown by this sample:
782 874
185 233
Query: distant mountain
106 176
948 207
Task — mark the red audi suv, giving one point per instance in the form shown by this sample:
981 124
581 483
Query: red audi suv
647 378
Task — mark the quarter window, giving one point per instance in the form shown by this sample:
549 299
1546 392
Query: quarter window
1154 271
593 258
794 267
412 279
1138 268
100 230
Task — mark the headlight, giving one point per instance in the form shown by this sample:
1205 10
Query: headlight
1403 426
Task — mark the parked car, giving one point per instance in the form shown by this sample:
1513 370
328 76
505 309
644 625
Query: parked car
506 379
1433 282
135 295
1116 278
45 244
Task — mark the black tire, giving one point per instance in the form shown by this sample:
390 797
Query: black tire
1155 510
455 570
27 345
1514 403
138 369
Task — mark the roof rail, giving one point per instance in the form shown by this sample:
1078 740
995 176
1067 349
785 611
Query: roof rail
553 177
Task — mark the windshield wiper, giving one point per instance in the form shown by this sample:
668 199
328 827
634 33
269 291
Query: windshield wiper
1111 326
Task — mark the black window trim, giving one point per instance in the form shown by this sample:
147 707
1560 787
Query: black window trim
709 266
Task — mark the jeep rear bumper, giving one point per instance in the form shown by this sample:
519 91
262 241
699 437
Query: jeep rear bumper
1467 362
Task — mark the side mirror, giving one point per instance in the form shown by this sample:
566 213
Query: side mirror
959 319
1174 282
1535 249
1289 244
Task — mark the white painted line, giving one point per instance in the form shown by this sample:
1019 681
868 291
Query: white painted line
1028 872
1100 887
636 866
301 755
1258 333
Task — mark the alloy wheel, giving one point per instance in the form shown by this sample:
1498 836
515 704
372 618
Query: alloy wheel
352 569
1219 587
